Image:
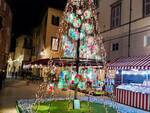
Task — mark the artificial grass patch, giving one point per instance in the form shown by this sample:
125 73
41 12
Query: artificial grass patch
62 107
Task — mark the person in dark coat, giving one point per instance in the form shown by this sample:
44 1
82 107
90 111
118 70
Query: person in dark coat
4 76
16 74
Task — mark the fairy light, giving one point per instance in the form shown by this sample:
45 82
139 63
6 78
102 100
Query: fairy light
79 21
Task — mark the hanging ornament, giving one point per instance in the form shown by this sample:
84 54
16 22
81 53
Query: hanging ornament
82 34
50 88
90 2
76 22
72 82
68 47
74 33
78 76
82 17
67 75
83 26
88 28
76 81
70 17
95 49
62 75
87 14
83 48
82 85
83 51
90 40
76 2
79 12
68 53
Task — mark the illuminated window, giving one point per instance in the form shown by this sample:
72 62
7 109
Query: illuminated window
54 43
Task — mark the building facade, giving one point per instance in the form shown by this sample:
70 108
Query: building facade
5 32
125 26
46 43
37 44
22 52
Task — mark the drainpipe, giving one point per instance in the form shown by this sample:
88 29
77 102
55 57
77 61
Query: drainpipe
129 34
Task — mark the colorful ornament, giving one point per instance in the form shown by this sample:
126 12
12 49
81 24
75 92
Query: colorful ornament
50 88
76 81
74 33
90 40
88 28
82 85
76 22
62 75
82 34
70 17
68 47
87 14
76 2
79 12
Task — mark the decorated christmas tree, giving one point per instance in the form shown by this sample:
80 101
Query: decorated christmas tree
82 46
80 24
81 40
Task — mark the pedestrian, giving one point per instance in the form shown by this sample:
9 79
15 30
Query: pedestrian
16 75
3 77
12 75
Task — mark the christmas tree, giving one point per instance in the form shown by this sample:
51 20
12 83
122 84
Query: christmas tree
80 23
81 40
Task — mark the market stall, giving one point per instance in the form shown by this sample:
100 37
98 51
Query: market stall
135 95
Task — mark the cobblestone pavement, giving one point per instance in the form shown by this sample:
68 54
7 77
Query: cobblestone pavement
19 89
12 91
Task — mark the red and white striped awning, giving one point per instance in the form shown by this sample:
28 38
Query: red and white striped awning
135 62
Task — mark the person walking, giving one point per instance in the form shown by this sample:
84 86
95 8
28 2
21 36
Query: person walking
3 77
16 74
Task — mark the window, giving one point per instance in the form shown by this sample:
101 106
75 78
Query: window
54 43
55 20
146 7
146 41
116 14
115 47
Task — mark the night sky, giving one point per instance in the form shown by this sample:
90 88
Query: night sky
28 14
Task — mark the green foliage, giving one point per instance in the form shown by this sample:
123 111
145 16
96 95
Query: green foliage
62 107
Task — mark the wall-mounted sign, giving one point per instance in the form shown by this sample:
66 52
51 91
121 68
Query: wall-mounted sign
76 104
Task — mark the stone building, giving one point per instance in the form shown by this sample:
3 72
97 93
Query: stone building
125 26
46 43
22 51
5 32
